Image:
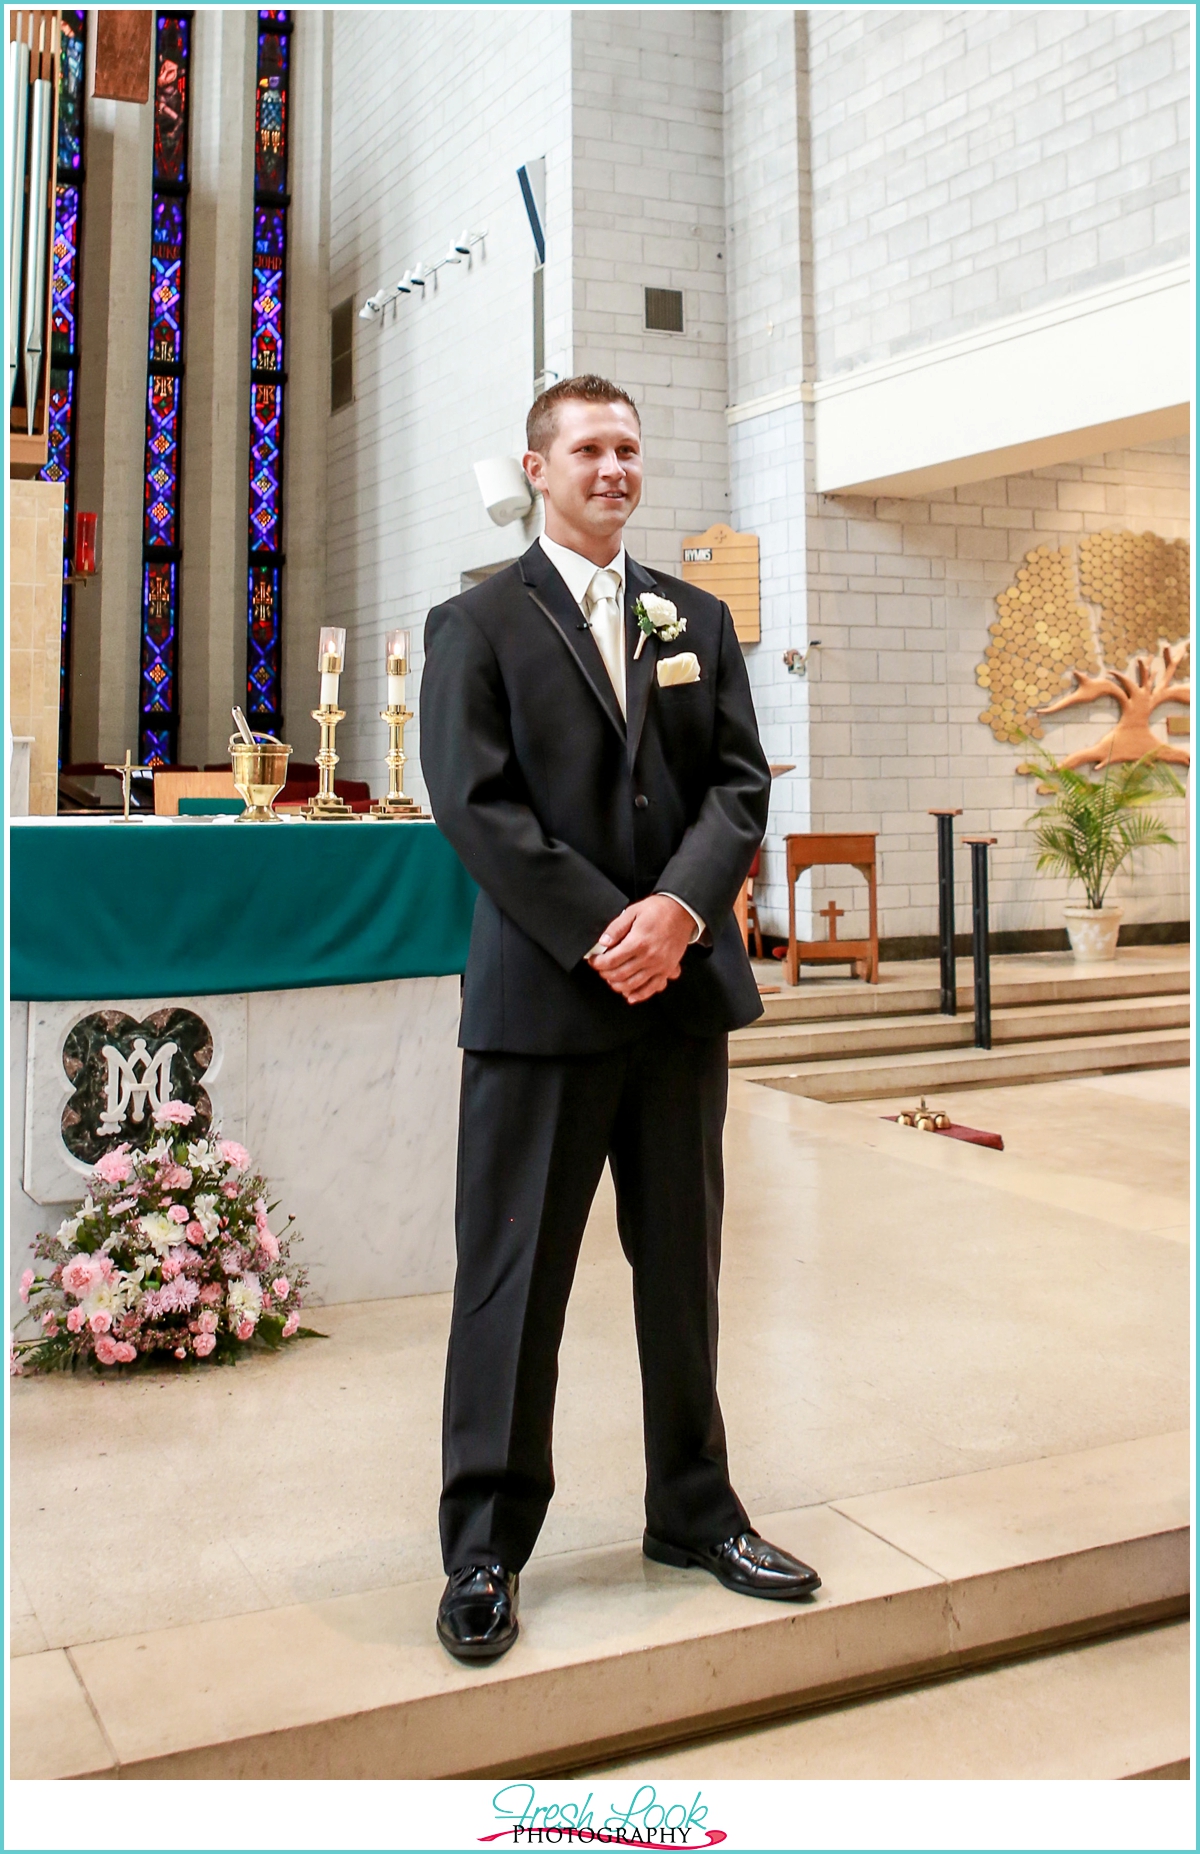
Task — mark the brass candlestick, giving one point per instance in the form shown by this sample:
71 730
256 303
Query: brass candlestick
327 807
396 804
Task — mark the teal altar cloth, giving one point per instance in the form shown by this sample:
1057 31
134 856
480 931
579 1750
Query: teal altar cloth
165 908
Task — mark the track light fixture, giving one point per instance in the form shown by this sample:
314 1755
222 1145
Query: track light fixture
418 278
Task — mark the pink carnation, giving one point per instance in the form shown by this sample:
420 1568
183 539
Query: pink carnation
175 1178
203 1344
181 1351
179 1213
100 1321
281 1286
50 1323
290 1324
195 1233
74 1319
269 1246
207 1323
246 1330
106 1350
233 1154
115 1167
126 1353
84 1272
26 1284
210 1295
174 1114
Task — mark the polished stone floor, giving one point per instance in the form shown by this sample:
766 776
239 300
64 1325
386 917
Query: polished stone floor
896 1309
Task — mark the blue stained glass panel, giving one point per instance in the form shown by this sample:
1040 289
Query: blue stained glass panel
158 685
70 91
264 615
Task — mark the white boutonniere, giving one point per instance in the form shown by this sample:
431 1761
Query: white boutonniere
657 618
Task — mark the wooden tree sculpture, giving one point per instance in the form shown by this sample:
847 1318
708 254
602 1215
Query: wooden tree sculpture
1138 691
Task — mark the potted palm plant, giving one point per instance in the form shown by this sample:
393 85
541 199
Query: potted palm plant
1090 829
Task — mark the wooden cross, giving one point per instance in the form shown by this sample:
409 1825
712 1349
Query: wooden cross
833 914
127 770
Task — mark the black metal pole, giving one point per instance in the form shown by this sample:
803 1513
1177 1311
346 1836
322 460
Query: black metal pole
945 839
979 940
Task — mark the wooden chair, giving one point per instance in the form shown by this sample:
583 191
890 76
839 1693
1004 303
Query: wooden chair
807 850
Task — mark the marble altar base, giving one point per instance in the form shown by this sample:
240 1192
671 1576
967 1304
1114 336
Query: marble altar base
346 1096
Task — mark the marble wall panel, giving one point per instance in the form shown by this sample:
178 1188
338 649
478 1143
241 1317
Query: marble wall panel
347 1097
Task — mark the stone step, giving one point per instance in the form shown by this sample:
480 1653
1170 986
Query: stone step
1010 1024
1096 1711
1022 979
867 1078
618 1654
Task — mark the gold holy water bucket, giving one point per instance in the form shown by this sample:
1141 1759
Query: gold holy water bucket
259 774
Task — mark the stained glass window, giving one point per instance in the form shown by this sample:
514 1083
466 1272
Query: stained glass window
64 342
158 682
268 375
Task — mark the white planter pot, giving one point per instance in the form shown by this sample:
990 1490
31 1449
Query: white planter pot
1093 932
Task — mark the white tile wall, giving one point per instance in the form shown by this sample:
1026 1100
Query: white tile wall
443 382
974 162
901 594
649 212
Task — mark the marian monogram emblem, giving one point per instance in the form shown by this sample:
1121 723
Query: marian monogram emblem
123 1071
135 1082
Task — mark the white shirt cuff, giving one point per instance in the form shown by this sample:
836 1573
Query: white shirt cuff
699 930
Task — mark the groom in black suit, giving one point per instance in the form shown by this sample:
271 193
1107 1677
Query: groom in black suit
590 749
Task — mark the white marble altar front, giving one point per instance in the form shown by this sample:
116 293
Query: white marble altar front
346 1096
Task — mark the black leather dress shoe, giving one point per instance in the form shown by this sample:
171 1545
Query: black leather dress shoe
745 1563
477 1616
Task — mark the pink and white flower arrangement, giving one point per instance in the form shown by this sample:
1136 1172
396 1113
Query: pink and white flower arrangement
169 1255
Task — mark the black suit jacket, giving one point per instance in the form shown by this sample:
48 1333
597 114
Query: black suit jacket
563 813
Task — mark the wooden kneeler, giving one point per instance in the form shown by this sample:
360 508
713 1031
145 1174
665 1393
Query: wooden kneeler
806 850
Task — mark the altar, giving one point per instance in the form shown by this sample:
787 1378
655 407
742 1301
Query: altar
297 984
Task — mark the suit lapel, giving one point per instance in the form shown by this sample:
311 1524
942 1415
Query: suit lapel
639 676
549 593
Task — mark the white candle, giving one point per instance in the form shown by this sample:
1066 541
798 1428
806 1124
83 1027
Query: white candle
396 649
331 654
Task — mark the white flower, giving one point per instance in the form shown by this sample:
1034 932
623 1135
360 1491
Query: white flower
245 1299
159 1231
204 1158
657 618
67 1230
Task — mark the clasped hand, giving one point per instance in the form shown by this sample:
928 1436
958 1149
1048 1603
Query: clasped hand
641 951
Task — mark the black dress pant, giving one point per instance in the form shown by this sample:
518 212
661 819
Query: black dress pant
534 1134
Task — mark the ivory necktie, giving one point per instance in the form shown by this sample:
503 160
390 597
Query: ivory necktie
607 625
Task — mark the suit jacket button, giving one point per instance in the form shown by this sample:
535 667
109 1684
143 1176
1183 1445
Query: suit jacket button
641 802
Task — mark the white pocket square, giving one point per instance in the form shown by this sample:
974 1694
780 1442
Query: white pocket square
684 666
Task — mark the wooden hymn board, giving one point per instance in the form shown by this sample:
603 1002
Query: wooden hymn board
726 564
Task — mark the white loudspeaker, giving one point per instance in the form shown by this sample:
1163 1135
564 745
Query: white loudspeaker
505 489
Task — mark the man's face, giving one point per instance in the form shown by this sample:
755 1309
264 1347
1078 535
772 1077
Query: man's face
591 477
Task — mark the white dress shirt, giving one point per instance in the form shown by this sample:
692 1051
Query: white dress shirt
577 573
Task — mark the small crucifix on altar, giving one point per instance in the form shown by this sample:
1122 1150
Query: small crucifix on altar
833 914
126 771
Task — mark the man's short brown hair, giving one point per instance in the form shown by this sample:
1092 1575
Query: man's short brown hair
541 427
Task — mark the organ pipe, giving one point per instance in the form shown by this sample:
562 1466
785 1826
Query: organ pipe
36 253
16 111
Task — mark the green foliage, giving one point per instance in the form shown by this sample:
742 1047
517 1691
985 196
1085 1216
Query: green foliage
1091 827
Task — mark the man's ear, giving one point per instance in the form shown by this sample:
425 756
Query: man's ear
533 464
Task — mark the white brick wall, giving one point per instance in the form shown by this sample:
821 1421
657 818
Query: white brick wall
902 593
649 212
442 383
972 163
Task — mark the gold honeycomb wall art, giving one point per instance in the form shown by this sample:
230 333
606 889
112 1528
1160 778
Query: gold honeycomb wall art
1136 592
1041 631
1140 583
